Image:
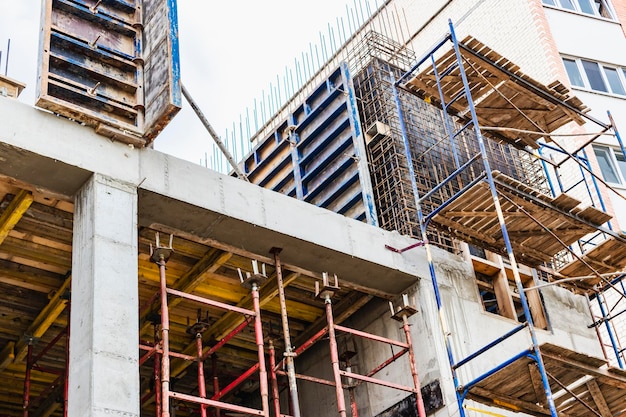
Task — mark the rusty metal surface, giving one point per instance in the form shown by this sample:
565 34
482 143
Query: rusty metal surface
93 65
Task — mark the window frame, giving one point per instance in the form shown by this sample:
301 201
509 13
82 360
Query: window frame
577 8
614 164
603 67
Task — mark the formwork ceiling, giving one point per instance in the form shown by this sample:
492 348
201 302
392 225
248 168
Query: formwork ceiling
35 278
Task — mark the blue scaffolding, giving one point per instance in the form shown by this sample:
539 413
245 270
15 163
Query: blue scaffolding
479 164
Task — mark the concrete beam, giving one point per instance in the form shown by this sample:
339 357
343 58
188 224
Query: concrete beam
179 195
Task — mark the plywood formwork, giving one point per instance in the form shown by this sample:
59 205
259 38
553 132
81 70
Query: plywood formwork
112 65
503 95
582 385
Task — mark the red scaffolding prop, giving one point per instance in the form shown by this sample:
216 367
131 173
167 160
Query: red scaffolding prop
160 255
402 314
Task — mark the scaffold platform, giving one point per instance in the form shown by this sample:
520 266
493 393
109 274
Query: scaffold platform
582 385
538 225
503 95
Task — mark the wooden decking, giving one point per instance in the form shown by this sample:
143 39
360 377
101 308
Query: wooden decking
608 257
502 94
579 384
555 221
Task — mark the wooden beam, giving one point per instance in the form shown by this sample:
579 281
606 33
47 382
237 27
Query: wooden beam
598 398
14 212
501 400
601 374
43 321
7 355
535 379
501 288
212 260
26 277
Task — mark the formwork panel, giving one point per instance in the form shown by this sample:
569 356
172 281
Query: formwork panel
318 154
112 65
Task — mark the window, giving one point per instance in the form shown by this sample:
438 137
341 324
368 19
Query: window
498 291
596 76
599 8
612 164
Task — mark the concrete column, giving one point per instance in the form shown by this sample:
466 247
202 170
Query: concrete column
103 368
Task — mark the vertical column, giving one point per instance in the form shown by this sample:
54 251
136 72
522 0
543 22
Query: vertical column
103 365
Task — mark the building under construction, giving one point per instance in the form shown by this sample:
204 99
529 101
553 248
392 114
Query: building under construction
432 235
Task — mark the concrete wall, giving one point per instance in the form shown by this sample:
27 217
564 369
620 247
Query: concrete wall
470 326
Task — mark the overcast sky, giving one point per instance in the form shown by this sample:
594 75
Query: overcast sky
230 52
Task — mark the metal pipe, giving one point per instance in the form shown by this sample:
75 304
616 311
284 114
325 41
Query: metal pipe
29 364
421 411
165 341
289 355
387 362
609 331
258 331
206 301
216 381
213 134
320 381
217 395
371 336
377 381
334 357
595 326
489 346
431 266
157 383
469 385
354 410
226 338
274 380
201 381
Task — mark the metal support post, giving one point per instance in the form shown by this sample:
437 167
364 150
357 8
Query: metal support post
160 255
326 293
334 357
29 365
196 329
421 411
289 354
274 380
157 375
201 381
258 331
216 381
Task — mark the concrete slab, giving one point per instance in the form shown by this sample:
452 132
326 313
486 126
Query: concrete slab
57 154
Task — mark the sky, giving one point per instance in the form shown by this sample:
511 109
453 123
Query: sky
230 52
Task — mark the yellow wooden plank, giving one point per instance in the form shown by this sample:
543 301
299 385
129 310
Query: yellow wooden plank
14 212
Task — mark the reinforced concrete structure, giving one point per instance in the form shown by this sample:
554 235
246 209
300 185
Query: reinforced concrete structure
133 283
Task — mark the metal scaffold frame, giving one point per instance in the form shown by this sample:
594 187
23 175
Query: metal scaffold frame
456 63
32 363
325 292
163 392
